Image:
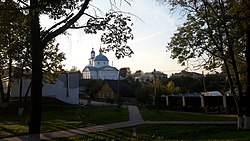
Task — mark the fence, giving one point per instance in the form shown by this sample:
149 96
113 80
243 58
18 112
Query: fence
222 104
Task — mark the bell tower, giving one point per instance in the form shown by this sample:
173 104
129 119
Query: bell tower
92 54
92 57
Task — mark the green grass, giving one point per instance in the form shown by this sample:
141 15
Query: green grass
161 115
67 117
61 116
165 132
58 118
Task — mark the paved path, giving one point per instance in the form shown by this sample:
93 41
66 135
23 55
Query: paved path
135 118
135 115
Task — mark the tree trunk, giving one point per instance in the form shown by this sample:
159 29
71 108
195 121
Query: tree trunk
234 65
26 96
10 79
247 54
1 90
37 46
237 79
20 109
240 122
36 87
239 88
2 95
6 99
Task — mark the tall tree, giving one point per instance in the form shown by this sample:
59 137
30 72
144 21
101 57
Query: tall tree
114 25
13 38
15 50
211 32
172 89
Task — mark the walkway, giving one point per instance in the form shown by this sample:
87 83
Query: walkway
135 118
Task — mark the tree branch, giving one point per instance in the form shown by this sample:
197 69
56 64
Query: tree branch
67 25
57 24
92 16
23 3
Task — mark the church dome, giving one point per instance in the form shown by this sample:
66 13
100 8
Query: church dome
101 57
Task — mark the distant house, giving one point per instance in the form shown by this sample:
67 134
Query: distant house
149 76
115 89
84 87
88 88
212 93
124 72
186 73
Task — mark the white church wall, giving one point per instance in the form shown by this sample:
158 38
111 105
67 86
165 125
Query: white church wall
66 88
111 75
93 74
86 74
100 68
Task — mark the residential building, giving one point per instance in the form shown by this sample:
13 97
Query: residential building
115 90
186 73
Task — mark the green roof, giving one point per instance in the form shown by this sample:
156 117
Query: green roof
91 68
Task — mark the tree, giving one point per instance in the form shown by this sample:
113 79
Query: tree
160 89
216 82
144 93
187 83
125 72
52 63
214 32
138 73
15 50
172 89
12 42
74 69
240 11
115 26
94 87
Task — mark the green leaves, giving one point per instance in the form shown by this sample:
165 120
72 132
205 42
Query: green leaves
57 9
52 63
116 32
13 34
202 35
15 43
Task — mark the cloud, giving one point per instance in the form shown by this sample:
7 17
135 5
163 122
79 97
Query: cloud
151 36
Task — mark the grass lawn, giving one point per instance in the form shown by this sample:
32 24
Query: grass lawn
161 115
59 118
165 132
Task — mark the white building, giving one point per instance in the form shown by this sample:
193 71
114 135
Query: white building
66 88
98 68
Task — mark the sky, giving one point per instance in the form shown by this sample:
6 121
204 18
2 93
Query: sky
153 26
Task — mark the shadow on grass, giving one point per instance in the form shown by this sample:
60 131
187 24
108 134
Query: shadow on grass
55 118
165 132
8 130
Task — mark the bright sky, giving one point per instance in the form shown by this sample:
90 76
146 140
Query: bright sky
151 35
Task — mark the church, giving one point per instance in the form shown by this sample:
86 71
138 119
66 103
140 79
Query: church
98 68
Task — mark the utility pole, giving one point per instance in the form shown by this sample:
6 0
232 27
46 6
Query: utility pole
118 91
154 87
203 79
